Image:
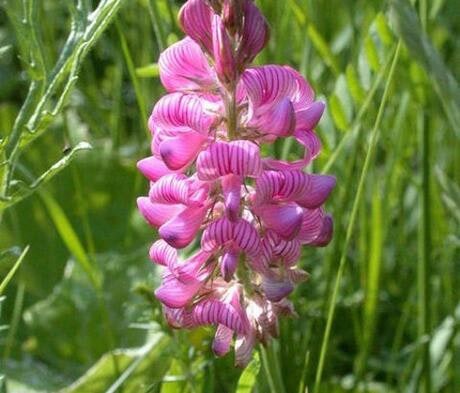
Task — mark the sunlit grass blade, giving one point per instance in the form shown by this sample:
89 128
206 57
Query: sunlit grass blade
4 283
350 228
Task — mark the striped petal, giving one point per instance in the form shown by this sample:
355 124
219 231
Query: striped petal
180 231
278 119
163 254
244 346
275 289
217 234
312 224
285 220
224 60
231 188
241 158
195 20
325 235
157 214
320 188
179 112
170 189
222 340
180 151
184 67
247 238
255 34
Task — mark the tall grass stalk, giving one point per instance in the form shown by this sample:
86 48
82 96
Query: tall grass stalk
351 225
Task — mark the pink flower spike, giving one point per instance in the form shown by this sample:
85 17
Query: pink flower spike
218 234
279 120
153 168
320 188
180 231
170 189
184 67
247 238
222 51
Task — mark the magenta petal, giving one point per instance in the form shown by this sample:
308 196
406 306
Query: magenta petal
217 234
231 187
184 67
170 189
244 346
177 295
247 238
163 254
179 112
222 340
255 34
278 120
195 19
320 188
288 251
177 317
245 159
285 220
153 168
182 229
157 214
312 223
180 151
222 51
229 264
325 235
308 118
214 162
276 289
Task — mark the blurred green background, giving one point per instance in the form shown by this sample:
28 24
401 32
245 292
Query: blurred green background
381 310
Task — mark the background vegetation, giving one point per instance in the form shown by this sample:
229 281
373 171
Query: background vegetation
381 311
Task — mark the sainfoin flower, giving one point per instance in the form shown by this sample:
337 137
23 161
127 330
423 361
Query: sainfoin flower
211 184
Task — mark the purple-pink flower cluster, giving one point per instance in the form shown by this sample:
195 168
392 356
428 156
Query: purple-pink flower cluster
211 185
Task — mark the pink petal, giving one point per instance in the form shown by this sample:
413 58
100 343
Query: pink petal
285 220
278 119
308 118
163 254
170 189
180 151
275 289
177 318
320 188
180 231
288 251
153 168
231 188
255 34
214 162
157 214
195 19
245 158
184 67
325 235
222 51
217 234
312 223
244 346
179 112
229 264
247 238
222 340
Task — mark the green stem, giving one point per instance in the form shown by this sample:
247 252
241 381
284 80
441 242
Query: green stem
369 155
423 266
232 115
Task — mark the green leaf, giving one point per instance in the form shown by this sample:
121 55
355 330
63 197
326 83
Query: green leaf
138 370
248 378
149 71
338 113
409 29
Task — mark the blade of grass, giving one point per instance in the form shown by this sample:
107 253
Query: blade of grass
369 155
13 270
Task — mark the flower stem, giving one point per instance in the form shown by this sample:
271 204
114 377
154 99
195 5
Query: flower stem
232 115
